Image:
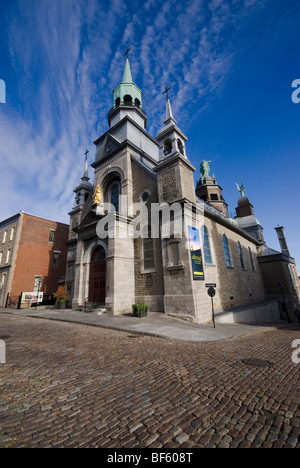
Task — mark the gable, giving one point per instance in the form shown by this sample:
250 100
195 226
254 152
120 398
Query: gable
108 146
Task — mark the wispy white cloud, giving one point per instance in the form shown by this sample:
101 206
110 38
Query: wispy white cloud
69 56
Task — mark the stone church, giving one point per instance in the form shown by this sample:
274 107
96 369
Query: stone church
142 232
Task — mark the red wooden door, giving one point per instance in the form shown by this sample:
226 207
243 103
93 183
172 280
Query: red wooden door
97 276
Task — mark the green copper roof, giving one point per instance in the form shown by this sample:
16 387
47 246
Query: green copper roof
127 88
127 78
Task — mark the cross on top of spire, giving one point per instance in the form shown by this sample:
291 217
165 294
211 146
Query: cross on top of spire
127 52
166 91
86 153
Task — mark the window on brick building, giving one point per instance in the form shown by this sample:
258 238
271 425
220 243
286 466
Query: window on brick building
4 237
1 255
51 236
56 258
12 233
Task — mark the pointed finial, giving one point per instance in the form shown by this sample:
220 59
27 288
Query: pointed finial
86 169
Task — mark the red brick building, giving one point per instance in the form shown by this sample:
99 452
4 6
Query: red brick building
33 255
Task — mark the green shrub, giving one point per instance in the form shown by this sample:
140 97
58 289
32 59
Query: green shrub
140 309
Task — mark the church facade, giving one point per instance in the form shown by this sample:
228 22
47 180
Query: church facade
141 232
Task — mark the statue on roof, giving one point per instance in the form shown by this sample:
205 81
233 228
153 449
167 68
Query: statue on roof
205 169
241 189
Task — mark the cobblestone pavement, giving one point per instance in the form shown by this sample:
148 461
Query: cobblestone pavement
71 385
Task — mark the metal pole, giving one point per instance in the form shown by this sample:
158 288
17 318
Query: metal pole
213 311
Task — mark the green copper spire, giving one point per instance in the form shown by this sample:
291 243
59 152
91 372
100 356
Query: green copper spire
127 92
127 78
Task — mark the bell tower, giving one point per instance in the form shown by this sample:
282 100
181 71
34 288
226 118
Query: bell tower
209 190
127 99
174 172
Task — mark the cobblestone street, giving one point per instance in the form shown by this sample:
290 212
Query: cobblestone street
71 385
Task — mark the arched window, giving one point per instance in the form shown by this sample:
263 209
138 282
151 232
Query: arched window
167 146
206 246
127 99
241 255
180 146
252 260
118 102
115 195
226 251
137 102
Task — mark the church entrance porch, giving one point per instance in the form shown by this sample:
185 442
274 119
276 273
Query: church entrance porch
97 282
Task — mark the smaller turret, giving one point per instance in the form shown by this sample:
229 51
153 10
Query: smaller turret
208 189
245 217
84 189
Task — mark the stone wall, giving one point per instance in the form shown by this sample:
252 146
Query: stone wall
149 285
235 286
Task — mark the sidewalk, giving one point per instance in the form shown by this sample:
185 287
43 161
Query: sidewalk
155 324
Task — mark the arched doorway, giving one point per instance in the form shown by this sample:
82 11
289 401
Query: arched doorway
97 276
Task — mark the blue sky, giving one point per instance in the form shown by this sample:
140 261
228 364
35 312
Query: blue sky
230 64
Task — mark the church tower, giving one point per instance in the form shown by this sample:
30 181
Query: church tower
209 190
108 256
245 217
82 194
127 99
174 172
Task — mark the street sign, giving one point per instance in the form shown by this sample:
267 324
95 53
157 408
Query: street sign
212 292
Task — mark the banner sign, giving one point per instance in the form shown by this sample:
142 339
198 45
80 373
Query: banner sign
196 255
31 297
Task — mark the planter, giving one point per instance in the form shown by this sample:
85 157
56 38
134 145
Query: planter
140 310
61 305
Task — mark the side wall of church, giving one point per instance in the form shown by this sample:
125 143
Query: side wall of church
149 285
236 285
